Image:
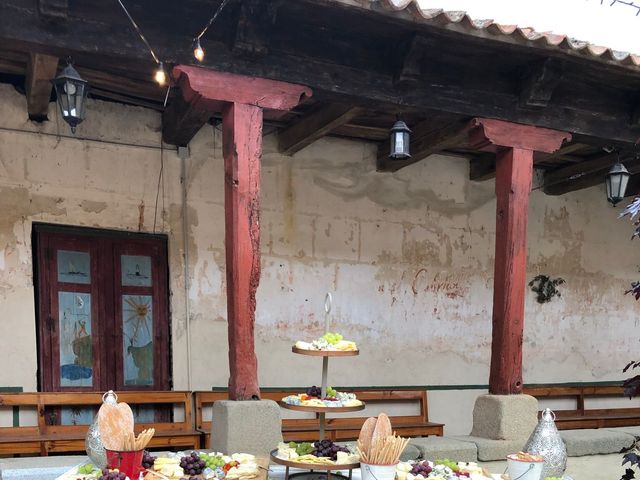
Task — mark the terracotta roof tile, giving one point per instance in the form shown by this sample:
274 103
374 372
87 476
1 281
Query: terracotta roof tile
461 22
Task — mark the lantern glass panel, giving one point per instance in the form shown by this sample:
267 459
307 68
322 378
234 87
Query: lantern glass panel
623 185
64 104
405 140
399 143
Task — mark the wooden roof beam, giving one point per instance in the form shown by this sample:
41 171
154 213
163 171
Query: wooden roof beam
347 64
41 69
314 126
426 139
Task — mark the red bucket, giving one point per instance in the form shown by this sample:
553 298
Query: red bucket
129 463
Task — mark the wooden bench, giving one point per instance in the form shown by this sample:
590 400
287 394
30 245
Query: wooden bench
47 437
582 417
342 427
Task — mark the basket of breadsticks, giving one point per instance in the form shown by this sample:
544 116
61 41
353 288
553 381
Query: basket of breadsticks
123 448
379 449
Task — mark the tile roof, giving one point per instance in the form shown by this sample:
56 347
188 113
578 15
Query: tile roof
461 22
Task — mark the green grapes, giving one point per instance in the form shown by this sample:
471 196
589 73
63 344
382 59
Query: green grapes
302 448
212 461
331 392
87 469
332 338
448 463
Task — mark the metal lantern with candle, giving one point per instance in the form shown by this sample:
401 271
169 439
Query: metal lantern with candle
400 138
616 182
545 440
71 90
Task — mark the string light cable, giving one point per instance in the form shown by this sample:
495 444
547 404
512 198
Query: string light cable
198 51
160 76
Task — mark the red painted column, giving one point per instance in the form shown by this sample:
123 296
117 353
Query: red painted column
242 150
514 170
514 145
204 92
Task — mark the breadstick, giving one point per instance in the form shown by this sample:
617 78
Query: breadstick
150 433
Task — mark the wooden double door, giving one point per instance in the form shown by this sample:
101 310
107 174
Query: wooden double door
103 315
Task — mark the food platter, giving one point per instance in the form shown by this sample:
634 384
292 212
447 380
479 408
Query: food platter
312 466
325 353
308 408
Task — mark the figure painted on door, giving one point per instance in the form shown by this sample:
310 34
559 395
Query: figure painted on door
76 354
143 360
137 333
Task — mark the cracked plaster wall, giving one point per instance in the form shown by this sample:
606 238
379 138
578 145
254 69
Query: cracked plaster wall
408 257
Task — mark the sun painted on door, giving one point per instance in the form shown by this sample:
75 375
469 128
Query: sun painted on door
137 335
76 355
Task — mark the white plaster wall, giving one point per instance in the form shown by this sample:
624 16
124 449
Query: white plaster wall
408 257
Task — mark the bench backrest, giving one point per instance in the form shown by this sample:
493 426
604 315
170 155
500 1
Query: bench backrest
580 393
206 398
42 401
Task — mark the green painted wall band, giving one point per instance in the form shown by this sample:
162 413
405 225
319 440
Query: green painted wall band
436 387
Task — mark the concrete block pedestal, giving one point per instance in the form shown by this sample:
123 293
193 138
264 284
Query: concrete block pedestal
252 426
505 417
502 425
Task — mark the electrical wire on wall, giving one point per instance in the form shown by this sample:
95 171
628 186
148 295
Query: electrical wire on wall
183 153
160 182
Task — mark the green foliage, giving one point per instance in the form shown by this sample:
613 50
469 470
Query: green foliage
545 287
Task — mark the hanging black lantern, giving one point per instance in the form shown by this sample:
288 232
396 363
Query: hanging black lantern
616 182
71 90
400 141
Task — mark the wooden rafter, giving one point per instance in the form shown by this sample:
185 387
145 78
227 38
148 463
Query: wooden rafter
254 23
409 72
540 83
585 174
484 168
41 69
316 125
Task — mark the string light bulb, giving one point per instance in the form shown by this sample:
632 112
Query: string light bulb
198 51
160 76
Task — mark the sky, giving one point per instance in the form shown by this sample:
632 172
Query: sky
596 21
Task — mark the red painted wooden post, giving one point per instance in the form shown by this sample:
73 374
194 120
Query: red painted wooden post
241 100
514 145
242 149
514 169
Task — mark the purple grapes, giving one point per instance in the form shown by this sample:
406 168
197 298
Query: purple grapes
192 464
421 468
326 448
314 391
148 459
107 475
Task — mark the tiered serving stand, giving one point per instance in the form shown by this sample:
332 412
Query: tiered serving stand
319 471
